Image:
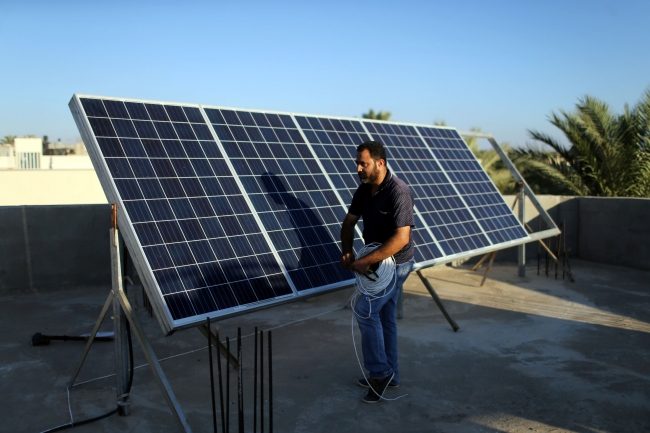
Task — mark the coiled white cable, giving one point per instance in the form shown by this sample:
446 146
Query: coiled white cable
379 284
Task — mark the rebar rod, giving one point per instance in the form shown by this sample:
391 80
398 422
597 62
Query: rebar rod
262 381
227 389
240 389
270 384
223 416
214 405
255 385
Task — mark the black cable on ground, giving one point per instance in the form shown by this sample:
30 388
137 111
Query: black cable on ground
113 412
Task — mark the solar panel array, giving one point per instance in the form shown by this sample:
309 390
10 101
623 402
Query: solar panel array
232 210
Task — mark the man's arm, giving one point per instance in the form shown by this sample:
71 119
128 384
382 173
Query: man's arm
395 243
347 239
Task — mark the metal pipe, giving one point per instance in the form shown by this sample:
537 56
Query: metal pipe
564 248
557 248
521 249
437 300
255 385
214 405
539 246
223 418
547 243
270 384
240 390
262 381
227 389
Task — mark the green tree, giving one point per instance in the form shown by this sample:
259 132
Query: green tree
490 161
380 115
608 155
8 139
492 164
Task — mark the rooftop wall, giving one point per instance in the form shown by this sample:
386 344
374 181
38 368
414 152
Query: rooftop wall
51 187
47 247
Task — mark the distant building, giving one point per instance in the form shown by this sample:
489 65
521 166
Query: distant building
30 177
28 153
32 154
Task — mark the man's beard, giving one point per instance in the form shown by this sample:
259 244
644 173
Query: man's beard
371 178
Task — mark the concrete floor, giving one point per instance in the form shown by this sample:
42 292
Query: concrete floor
532 354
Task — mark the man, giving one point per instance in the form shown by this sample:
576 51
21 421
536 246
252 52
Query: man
386 205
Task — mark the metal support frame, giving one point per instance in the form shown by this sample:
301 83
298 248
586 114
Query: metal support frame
121 327
123 313
521 249
437 300
491 256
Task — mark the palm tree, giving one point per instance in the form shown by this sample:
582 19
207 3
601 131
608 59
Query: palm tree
8 139
492 164
380 115
609 154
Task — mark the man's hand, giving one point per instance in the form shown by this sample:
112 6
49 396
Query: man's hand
347 259
359 267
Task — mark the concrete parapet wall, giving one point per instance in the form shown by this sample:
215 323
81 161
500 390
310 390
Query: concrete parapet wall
50 187
46 247
615 231
608 230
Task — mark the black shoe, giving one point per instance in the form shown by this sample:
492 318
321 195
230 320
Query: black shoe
377 388
364 383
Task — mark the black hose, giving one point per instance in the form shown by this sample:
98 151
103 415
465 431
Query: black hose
113 412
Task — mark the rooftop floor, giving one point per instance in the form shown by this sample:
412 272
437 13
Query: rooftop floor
532 354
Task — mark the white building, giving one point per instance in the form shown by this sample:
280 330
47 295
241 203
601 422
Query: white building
27 177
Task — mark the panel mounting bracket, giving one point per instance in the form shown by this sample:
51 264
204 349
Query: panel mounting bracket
124 313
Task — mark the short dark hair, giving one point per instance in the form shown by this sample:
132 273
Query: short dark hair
375 148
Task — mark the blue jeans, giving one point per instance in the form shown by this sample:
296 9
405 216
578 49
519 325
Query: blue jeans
377 321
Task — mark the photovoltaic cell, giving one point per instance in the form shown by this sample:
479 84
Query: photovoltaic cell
204 247
292 196
245 210
439 205
473 184
335 142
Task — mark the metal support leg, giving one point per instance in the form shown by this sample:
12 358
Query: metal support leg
100 319
158 373
121 332
487 271
521 249
480 262
437 300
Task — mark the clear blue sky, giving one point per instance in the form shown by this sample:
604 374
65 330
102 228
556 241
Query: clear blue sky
500 65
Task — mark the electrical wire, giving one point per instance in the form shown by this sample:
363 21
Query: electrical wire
72 423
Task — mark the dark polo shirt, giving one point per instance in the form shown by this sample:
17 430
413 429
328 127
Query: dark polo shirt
389 209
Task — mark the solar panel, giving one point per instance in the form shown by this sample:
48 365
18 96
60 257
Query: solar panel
408 158
295 201
226 210
445 215
197 233
473 184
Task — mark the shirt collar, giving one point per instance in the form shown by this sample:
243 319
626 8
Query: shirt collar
386 181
